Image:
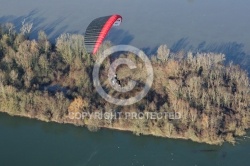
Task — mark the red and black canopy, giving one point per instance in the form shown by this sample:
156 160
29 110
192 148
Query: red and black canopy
98 30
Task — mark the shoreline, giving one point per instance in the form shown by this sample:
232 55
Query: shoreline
119 129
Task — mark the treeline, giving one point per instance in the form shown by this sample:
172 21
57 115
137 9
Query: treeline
49 81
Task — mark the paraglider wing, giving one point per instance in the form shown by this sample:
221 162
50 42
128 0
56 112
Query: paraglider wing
98 30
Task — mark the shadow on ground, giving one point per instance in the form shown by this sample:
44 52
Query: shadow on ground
233 50
52 29
119 36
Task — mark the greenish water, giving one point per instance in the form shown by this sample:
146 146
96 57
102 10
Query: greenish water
31 142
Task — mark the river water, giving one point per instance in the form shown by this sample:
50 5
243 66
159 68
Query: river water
216 25
146 24
31 142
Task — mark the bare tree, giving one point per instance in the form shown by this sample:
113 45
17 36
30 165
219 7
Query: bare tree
26 27
10 27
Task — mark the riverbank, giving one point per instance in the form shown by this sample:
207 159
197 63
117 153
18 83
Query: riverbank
115 127
52 143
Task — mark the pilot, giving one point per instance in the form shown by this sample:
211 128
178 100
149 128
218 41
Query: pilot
115 80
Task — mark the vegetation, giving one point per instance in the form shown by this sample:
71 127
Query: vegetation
49 82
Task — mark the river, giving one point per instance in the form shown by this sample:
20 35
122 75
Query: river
186 24
31 142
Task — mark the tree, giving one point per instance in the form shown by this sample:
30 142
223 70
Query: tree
26 28
43 43
163 53
69 46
